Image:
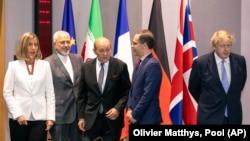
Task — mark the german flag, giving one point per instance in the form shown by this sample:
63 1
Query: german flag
160 53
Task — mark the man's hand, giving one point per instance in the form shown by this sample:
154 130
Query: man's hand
112 114
130 117
81 125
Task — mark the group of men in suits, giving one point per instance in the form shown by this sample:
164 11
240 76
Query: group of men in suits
98 111
87 99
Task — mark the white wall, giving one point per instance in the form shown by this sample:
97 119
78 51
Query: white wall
212 15
19 19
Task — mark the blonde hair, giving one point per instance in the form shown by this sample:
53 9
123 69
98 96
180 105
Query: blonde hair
21 51
221 35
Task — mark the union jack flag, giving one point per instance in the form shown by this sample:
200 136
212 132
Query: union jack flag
183 107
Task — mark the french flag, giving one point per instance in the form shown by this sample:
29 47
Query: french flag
122 46
122 50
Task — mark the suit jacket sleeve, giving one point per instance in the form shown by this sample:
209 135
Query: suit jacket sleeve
8 88
244 68
82 94
125 86
195 80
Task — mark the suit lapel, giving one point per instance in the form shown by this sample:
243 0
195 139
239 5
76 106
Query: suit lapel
92 74
110 74
211 65
233 68
136 72
25 74
214 73
35 72
58 63
74 65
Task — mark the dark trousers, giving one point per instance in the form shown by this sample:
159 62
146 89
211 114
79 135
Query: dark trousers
66 132
225 121
100 131
34 131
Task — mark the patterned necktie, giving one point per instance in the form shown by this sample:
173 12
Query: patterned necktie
224 79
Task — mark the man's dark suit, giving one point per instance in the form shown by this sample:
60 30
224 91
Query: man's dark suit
207 89
66 91
114 95
144 95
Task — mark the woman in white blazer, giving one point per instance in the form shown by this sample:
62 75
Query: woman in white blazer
29 93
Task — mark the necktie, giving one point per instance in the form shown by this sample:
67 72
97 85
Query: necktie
100 81
138 64
224 78
224 81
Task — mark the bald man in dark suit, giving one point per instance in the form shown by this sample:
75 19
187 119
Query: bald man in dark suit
101 106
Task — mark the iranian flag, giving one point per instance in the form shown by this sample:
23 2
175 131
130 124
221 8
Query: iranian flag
94 31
